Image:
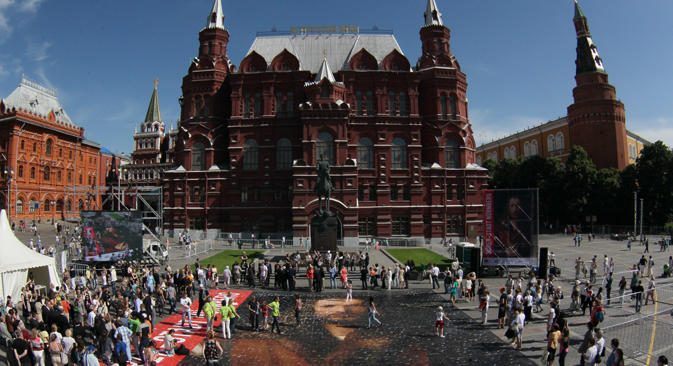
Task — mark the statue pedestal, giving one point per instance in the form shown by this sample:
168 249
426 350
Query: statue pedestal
324 233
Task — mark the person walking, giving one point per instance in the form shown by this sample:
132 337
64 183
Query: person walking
484 305
275 312
638 290
439 322
297 308
209 313
651 288
226 315
622 289
253 307
344 277
186 308
373 312
553 344
349 291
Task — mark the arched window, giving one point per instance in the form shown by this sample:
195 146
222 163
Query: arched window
32 173
452 157
325 145
81 205
370 104
279 104
495 155
250 155
399 151
365 154
59 206
391 104
20 171
80 179
526 149
199 156
512 152
47 205
454 110
533 147
551 145
68 205
46 173
246 105
560 141
478 160
325 91
206 112
34 146
19 205
489 156
69 177
403 105
258 105
358 102
442 102
289 104
283 154
507 153
22 144
47 147
197 107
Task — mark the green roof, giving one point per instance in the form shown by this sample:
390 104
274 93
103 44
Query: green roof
578 11
153 112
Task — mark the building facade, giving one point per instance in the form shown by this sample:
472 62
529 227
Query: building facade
49 170
398 138
596 120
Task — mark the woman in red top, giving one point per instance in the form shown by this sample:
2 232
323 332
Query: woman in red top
344 277
309 275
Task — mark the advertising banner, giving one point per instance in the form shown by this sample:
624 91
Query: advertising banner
110 236
510 227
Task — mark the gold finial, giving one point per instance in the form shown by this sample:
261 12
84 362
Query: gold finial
325 55
156 81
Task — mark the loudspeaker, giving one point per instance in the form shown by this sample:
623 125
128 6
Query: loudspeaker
475 260
544 260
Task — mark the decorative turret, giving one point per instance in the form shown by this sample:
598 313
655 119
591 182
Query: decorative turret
596 118
432 14
216 16
324 88
153 111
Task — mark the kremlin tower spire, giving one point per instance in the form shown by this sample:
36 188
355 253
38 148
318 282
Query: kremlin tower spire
596 118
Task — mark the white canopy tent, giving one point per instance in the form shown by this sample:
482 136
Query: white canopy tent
17 260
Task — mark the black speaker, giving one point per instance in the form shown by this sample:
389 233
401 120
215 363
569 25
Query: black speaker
475 260
544 260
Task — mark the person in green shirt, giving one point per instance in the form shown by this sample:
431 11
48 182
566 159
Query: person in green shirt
134 324
209 312
275 312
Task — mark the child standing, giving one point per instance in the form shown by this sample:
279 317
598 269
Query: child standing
265 313
349 291
439 323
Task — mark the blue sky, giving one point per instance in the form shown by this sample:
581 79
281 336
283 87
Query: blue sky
102 56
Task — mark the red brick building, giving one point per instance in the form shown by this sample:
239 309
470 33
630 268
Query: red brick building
398 137
49 169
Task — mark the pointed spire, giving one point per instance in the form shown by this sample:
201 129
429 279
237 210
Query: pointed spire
578 11
216 16
153 112
325 72
432 14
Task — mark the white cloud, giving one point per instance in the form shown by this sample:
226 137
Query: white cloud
655 129
38 51
488 127
9 65
12 8
40 72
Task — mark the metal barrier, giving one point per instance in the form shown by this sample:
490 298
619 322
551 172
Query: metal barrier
188 251
647 335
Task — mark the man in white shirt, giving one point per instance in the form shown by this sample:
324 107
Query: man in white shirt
282 243
113 280
328 256
606 265
138 302
202 276
186 307
590 354
90 319
435 277
262 274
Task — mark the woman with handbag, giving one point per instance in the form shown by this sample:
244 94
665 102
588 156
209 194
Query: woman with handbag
552 344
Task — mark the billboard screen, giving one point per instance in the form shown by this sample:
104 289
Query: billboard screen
109 236
510 227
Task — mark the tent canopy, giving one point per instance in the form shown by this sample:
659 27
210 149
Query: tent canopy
16 260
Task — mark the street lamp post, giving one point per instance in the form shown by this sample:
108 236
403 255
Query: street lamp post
53 208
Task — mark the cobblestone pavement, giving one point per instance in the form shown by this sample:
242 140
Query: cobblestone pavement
334 332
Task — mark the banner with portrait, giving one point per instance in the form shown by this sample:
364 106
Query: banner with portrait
510 227
109 236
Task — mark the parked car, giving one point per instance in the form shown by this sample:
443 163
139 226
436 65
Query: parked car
619 237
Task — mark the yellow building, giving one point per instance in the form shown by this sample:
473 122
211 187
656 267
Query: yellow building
551 139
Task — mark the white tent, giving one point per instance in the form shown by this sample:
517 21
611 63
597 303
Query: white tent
17 260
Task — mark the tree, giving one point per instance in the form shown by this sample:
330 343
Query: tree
579 181
653 171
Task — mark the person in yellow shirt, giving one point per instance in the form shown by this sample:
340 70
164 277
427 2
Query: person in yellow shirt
228 312
209 312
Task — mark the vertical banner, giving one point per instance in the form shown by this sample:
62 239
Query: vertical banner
510 227
488 223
